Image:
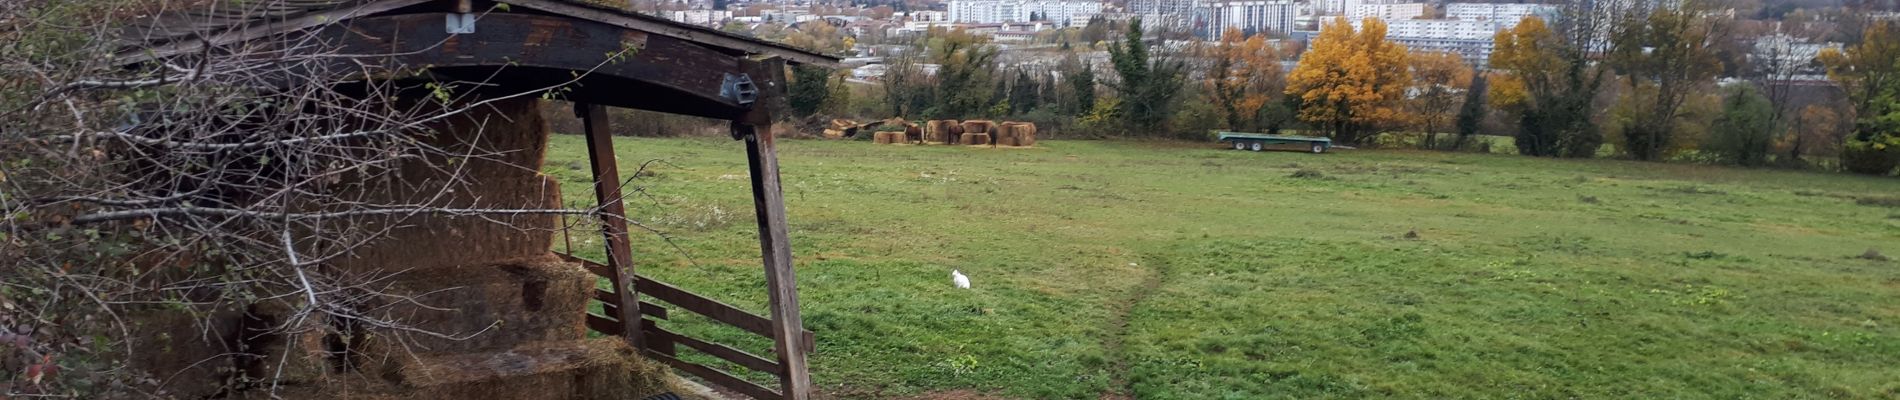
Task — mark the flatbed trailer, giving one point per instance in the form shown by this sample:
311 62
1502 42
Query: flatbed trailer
1258 141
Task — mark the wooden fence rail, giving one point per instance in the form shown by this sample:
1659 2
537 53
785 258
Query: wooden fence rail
661 342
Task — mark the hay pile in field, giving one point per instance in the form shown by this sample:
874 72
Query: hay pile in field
975 139
942 131
840 128
978 126
882 137
1016 134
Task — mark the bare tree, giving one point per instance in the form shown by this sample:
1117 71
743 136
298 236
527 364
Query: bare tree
218 180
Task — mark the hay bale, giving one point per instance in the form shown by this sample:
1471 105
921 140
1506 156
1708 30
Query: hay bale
842 124
834 133
880 138
508 304
975 139
1026 134
941 131
978 126
913 133
1005 134
893 137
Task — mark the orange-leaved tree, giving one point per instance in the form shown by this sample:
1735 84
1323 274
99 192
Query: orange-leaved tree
1438 85
1244 79
1351 80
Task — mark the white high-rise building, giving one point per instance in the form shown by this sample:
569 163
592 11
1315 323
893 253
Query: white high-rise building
1163 13
1506 15
1249 16
1057 12
1388 11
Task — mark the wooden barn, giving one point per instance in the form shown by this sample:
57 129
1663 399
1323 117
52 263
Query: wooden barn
526 306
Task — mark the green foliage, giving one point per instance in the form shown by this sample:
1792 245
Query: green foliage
1872 157
1148 87
1081 90
1471 113
964 76
811 89
1744 133
1667 55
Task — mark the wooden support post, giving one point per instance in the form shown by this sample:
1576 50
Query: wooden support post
780 281
600 151
774 245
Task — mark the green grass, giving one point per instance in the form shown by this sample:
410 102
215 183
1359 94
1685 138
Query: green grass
1183 271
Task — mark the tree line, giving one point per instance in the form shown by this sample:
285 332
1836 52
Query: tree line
1650 81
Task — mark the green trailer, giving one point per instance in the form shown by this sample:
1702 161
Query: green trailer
1258 141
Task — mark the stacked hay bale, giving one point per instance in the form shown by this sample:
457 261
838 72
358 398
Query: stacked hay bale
977 132
975 139
1005 134
511 310
941 131
1020 134
883 137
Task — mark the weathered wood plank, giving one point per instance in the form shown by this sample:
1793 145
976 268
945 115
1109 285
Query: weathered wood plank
552 49
679 31
717 377
721 351
781 282
260 29
610 302
603 325
600 151
668 293
702 305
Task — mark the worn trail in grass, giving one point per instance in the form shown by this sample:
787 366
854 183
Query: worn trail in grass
1164 270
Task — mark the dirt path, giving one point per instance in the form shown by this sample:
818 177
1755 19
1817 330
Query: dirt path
1119 386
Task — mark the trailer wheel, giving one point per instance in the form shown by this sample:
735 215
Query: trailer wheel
1319 148
1239 145
1255 146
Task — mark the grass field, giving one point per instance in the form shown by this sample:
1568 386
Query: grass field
1183 271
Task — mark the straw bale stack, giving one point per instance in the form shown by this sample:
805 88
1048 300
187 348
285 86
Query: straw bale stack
975 139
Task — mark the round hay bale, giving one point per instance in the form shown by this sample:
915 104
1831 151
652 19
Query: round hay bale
881 137
975 139
842 124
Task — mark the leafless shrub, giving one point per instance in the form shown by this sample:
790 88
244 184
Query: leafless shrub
211 182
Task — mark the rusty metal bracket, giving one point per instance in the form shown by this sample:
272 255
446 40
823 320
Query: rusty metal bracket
739 89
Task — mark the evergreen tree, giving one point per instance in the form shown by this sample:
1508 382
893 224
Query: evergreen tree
810 89
1148 87
1471 114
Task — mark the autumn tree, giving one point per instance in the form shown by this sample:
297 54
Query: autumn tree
1439 80
1549 81
1775 61
1351 80
1870 74
1816 129
1245 79
1667 54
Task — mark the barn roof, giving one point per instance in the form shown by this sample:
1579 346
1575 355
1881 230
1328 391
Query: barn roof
224 22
